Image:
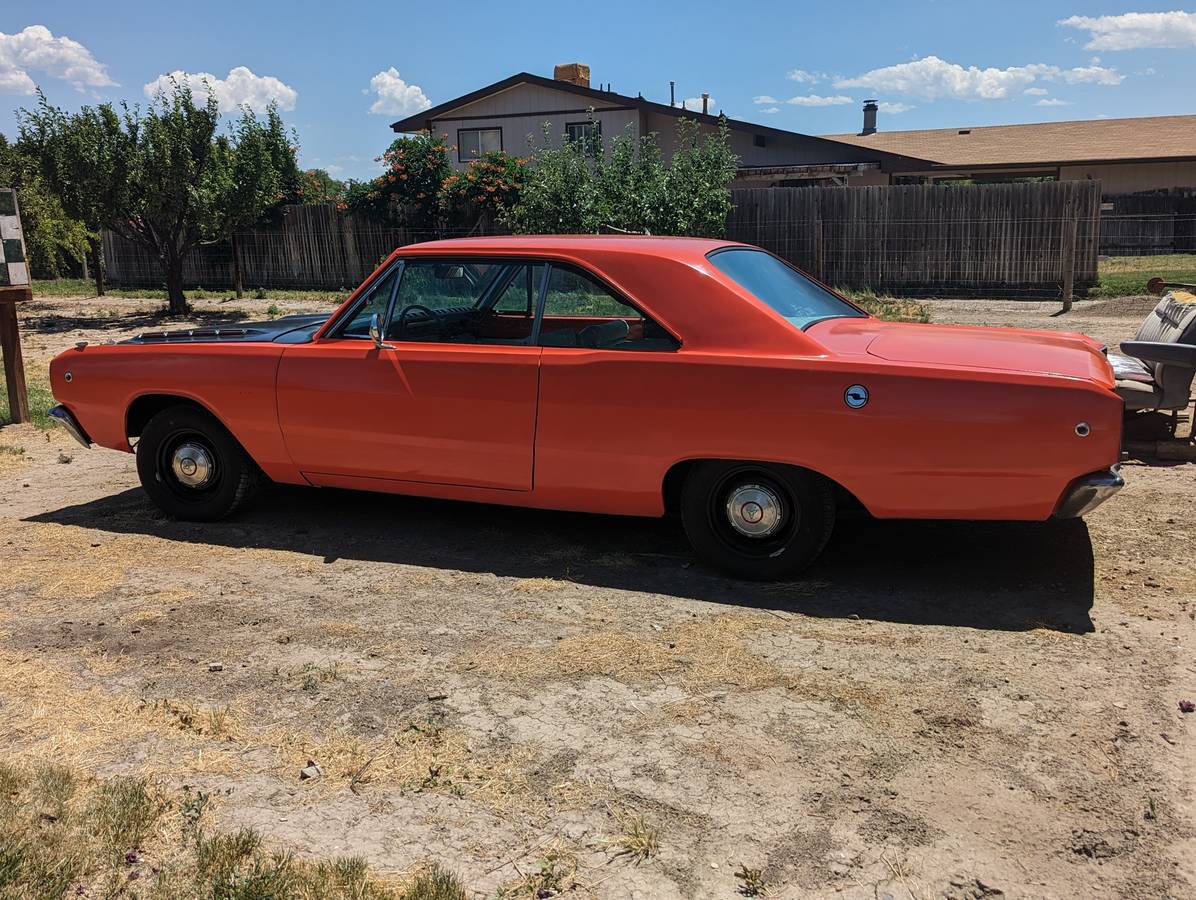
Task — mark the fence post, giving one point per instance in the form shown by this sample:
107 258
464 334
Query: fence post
1069 262
10 348
353 267
819 269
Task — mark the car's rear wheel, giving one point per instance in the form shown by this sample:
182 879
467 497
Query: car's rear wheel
757 521
192 468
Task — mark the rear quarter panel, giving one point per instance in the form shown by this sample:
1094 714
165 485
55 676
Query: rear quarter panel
233 381
931 443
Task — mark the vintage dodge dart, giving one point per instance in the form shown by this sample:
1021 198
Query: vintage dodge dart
631 375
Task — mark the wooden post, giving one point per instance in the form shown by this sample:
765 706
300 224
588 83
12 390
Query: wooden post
1069 262
10 347
819 267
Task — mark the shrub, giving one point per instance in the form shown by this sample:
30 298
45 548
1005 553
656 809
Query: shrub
489 187
408 192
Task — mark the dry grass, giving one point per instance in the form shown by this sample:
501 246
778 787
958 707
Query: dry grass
556 872
65 834
421 756
703 652
46 713
638 840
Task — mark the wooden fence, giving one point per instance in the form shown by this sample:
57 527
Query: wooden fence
1016 239
1001 239
1148 223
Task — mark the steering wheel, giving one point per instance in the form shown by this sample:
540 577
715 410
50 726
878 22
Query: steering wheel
416 306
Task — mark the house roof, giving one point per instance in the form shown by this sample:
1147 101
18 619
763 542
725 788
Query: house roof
419 121
1080 141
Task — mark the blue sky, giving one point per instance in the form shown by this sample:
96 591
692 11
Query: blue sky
342 72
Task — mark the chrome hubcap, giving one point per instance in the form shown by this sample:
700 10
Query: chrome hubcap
192 465
754 511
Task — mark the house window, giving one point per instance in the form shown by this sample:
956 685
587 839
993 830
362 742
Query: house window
474 142
758 140
588 133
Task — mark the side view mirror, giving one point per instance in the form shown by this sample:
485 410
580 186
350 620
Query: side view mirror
376 333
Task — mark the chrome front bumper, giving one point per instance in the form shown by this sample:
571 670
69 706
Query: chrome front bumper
62 416
1089 492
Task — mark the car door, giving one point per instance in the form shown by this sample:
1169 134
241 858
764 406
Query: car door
614 402
449 399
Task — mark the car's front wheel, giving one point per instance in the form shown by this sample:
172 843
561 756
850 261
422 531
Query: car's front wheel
192 468
758 521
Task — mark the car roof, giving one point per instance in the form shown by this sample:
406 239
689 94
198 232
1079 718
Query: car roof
675 247
669 278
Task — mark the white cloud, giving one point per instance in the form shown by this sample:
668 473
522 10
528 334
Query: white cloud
769 110
1133 31
694 104
815 100
1036 92
1092 75
240 88
765 98
37 49
932 78
895 108
1052 101
395 96
801 76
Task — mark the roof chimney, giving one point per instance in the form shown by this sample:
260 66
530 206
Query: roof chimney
672 93
870 109
705 104
574 73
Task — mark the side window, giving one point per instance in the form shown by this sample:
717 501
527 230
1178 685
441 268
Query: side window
580 311
452 302
574 293
377 302
520 294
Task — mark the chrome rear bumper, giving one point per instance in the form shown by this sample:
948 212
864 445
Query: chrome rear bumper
62 416
1089 492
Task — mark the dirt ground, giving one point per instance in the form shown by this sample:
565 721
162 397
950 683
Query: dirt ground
938 710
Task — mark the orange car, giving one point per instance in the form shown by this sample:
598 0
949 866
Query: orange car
629 375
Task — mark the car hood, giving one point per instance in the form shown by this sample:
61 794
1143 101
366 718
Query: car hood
297 329
1066 354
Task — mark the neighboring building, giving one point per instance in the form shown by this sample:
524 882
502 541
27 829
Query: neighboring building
511 115
1125 155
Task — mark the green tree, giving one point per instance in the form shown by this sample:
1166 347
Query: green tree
317 186
409 191
576 188
163 178
53 240
560 195
699 181
86 159
255 172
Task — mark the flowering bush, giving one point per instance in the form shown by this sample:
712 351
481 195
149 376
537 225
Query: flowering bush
488 187
408 192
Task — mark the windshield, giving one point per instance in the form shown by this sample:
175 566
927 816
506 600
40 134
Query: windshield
786 290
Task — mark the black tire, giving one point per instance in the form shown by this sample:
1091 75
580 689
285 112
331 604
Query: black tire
233 478
805 516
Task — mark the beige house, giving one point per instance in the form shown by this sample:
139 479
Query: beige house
1125 155
514 114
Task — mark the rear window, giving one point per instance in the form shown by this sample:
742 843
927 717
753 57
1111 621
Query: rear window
786 290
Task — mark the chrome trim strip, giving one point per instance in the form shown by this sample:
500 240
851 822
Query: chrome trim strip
60 415
1089 492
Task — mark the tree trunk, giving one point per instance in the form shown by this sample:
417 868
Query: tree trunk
237 281
97 264
174 285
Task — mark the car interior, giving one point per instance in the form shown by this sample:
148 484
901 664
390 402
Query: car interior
495 302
